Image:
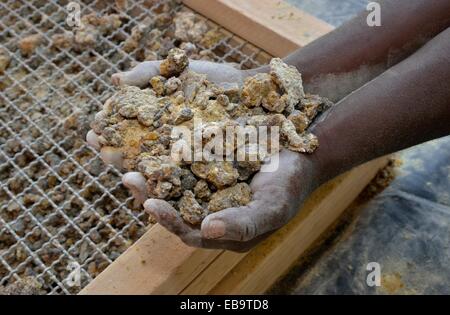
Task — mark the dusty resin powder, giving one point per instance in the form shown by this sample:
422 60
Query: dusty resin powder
139 124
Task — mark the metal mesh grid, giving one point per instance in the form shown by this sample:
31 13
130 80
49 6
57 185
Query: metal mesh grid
58 203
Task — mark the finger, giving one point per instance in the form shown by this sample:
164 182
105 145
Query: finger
167 216
229 224
235 246
136 183
111 155
92 140
138 76
244 223
170 219
218 73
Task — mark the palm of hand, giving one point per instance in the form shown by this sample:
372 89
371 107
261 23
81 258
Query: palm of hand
276 198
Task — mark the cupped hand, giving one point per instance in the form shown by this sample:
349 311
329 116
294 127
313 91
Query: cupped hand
277 197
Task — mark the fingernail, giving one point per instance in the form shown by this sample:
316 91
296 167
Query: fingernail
92 140
149 210
154 214
115 79
214 229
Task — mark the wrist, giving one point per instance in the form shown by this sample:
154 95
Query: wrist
311 170
330 159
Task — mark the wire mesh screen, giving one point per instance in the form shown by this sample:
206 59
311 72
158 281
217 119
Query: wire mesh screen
60 206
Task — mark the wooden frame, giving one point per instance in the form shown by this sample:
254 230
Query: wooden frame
272 25
159 263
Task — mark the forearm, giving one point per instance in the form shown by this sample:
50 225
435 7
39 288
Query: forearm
353 54
405 25
406 105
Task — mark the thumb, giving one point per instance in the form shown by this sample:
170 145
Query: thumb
219 73
271 208
138 76
243 223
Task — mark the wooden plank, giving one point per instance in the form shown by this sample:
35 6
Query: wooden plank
214 273
158 263
267 262
272 25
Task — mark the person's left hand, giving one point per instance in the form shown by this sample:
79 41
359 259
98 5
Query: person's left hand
277 197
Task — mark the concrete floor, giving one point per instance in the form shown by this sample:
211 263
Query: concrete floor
334 12
405 229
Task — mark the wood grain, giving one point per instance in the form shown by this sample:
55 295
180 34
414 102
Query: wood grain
158 263
274 26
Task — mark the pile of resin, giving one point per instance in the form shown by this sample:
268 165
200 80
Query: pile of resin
138 123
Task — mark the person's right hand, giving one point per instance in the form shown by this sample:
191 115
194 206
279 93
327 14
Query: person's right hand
277 197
